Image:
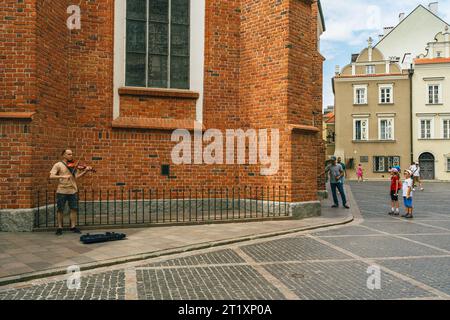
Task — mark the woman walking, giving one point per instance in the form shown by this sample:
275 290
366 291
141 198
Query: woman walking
359 173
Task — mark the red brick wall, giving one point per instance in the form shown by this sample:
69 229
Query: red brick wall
15 168
151 107
260 69
18 90
51 124
317 77
18 93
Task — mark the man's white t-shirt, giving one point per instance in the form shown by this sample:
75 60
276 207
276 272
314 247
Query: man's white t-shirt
417 173
415 169
407 183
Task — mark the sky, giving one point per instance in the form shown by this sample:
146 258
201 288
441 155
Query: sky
349 23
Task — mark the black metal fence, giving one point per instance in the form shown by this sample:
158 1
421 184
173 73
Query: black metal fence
125 207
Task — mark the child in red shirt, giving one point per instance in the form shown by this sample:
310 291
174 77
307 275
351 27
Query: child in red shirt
396 185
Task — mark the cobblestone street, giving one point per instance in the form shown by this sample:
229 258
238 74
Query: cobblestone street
414 257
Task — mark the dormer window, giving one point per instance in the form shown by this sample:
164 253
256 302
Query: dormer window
370 69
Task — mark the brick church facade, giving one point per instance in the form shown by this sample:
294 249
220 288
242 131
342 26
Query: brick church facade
248 64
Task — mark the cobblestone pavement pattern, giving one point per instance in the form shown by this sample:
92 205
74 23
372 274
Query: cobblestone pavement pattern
413 257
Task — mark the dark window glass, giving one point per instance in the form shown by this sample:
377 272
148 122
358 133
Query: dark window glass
157 71
136 37
136 10
152 58
135 70
358 130
179 75
180 12
158 42
158 10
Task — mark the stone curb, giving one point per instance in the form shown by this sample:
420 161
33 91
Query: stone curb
155 254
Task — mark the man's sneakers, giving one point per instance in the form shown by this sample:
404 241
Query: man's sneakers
75 230
336 206
59 231
407 216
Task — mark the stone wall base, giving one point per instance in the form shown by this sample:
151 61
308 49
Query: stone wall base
322 194
302 210
23 220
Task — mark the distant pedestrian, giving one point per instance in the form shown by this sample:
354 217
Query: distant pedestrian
360 173
408 194
416 177
339 161
396 186
336 173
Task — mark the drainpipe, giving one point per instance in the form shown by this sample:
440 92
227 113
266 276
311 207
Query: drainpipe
411 73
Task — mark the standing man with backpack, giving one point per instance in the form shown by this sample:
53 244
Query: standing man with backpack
336 174
67 190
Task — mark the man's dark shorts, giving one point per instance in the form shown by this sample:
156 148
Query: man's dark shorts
61 200
394 196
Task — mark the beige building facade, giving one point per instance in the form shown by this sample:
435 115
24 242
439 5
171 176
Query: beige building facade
431 109
373 114
329 135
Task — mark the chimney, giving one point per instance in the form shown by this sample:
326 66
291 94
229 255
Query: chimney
401 16
434 7
337 70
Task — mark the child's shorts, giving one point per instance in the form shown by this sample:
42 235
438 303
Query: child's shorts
394 196
408 202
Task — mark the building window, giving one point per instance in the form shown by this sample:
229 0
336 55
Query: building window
370 69
425 129
361 129
386 94
448 164
446 128
382 164
360 95
434 93
158 43
386 129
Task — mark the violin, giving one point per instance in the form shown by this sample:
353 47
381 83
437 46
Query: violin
78 165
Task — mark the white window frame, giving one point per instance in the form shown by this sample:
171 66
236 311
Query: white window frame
363 138
197 52
369 68
383 162
448 164
355 96
431 128
391 95
392 130
439 85
443 120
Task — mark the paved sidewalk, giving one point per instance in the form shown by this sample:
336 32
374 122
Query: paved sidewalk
25 256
